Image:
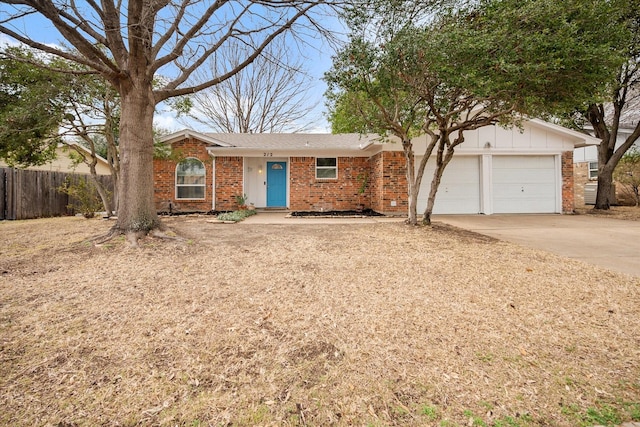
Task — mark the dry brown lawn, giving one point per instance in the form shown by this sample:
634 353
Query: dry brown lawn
308 325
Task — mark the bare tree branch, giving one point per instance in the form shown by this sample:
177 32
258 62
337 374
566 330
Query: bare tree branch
270 95
171 90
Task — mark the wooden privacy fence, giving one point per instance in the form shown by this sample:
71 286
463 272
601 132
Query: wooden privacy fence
26 194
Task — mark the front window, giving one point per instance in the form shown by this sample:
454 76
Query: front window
326 168
190 179
593 170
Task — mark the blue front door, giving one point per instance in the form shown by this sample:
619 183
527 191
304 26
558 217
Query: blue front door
276 184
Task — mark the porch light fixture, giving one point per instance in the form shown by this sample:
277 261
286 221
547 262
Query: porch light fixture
487 144
260 170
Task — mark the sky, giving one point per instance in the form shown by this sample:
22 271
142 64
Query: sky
317 61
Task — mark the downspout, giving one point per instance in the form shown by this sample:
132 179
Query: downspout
213 182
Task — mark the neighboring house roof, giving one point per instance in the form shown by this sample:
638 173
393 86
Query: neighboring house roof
64 161
629 114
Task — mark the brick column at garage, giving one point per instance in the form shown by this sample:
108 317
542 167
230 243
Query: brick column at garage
568 183
389 182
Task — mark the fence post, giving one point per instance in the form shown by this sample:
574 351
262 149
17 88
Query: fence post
11 194
3 193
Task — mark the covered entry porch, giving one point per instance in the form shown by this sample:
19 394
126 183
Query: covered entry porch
266 181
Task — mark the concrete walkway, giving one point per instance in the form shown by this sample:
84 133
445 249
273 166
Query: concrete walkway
610 243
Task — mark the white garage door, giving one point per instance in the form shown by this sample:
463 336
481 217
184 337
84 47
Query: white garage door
459 191
524 184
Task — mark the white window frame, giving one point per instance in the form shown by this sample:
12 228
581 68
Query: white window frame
327 168
592 171
203 185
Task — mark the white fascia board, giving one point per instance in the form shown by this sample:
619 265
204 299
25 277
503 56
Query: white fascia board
270 152
186 134
579 139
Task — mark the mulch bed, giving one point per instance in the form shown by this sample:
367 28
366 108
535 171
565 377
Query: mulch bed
346 214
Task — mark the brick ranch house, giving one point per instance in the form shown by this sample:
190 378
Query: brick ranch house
496 170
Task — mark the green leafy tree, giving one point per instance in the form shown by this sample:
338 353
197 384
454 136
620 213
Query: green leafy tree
59 102
466 68
93 114
88 114
32 106
620 104
131 43
365 95
627 173
45 102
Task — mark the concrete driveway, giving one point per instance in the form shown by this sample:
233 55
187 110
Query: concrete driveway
609 243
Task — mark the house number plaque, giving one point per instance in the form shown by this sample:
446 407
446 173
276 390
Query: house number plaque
267 154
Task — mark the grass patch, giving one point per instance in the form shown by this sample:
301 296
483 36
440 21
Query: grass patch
430 412
474 420
633 409
606 414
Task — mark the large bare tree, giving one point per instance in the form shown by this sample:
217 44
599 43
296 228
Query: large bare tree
620 105
607 119
132 43
270 95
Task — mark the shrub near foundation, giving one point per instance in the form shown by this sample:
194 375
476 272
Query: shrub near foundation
236 216
83 196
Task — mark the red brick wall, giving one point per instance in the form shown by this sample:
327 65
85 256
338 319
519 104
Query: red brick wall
389 182
164 178
307 193
580 179
376 182
229 182
568 183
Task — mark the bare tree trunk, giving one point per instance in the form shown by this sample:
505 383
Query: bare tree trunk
412 190
413 204
136 209
606 162
442 160
435 183
102 191
608 154
605 187
91 160
414 177
113 157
